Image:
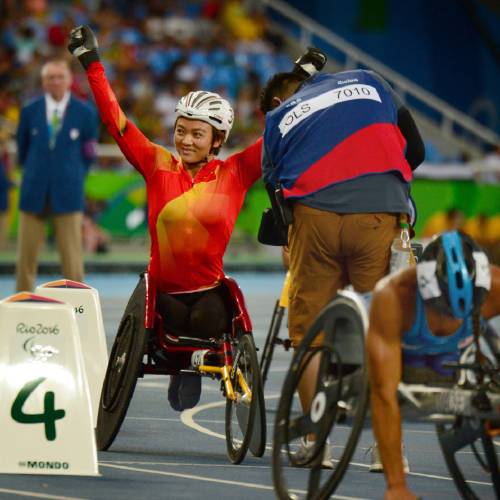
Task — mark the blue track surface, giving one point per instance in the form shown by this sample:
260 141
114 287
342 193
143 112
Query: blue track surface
162 454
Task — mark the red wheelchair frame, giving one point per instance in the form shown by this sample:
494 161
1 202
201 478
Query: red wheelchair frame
142 346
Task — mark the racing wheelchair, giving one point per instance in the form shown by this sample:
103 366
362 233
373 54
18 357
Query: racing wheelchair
465 413
142 346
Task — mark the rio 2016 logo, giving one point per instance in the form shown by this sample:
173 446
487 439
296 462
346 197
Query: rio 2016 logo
49 416
37 329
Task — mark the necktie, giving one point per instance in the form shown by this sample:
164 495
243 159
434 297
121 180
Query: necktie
55 125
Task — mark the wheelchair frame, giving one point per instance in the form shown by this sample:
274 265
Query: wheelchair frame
273 339
462 416
143 347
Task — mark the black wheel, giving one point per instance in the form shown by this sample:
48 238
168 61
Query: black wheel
456 436
272 334
245 415
338 408
124 366
257 443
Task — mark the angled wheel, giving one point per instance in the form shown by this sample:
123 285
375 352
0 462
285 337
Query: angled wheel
124 366
245 415
336 344
272 334
257 444
456 436
272 337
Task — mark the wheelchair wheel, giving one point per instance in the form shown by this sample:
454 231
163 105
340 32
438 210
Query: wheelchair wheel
338 408
245 423
272 334
456 436
124 366
274 329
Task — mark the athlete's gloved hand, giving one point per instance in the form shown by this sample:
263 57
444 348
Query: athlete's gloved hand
310 62
83 44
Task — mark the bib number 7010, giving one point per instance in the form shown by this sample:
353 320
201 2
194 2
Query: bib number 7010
49 415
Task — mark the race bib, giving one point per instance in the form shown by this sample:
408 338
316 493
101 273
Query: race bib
305 109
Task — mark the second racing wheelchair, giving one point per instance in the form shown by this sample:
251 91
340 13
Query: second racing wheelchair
142 346
466 413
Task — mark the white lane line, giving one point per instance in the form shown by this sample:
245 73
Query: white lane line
177 464
191 476
34 494
178 420
420 474
218 481
161 419
187 418
419 431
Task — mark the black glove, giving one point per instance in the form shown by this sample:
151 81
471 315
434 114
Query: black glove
83 44
310 63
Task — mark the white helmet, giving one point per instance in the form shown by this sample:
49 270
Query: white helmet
207 107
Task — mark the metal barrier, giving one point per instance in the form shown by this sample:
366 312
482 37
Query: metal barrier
449 117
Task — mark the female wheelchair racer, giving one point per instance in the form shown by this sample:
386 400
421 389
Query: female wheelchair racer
193 202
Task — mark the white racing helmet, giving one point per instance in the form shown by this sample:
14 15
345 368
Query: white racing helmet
208 107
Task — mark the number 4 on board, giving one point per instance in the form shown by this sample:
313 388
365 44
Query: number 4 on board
49 415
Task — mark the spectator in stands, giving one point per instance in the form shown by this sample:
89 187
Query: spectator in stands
56 145
451 219
142 44
486 231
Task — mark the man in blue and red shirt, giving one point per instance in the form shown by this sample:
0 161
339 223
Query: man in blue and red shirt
341 149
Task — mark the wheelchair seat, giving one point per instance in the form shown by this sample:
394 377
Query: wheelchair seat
234 301
168 353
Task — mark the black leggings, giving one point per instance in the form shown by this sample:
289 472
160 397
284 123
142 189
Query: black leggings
197 314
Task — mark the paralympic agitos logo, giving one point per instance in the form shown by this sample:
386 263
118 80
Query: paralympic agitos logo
39 328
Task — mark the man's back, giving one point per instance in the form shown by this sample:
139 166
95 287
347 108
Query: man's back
335 128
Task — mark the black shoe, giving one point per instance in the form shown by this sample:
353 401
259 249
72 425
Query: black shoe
184 391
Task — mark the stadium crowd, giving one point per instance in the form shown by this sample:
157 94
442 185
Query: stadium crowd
154 52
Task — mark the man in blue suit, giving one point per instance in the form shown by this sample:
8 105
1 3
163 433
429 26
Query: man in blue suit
56 145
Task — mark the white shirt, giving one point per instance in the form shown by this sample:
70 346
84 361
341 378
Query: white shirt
51 105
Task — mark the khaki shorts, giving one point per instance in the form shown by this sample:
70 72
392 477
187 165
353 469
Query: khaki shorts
329 251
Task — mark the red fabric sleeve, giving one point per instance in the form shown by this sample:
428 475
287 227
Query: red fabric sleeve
144 155
248 163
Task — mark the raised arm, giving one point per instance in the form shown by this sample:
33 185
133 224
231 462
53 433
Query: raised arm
248 163
384 361
144 155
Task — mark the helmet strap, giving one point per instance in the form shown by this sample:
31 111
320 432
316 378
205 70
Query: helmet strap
216 136
480 357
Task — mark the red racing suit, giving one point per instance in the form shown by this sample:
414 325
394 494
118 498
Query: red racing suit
190 219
